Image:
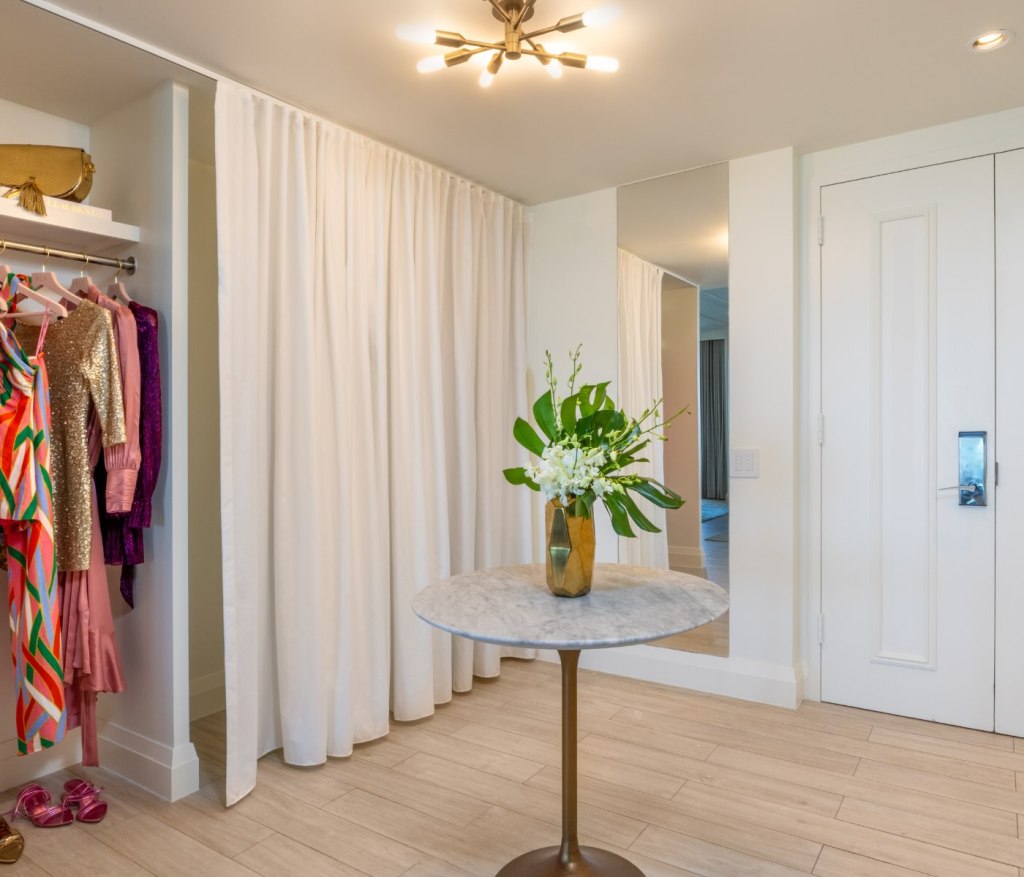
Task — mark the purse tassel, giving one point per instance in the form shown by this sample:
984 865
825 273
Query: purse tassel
30 196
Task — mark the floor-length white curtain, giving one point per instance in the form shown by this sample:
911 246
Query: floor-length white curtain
640 383
372 363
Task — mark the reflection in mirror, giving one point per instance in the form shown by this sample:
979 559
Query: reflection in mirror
675 344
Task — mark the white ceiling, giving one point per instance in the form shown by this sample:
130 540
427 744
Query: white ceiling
680 223
701 80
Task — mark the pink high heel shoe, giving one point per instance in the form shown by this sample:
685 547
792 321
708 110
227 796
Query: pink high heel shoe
86 797
35 803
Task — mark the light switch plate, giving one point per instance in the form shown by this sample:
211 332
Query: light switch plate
745 464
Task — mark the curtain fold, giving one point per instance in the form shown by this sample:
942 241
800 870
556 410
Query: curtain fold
640 382
372 362
714 427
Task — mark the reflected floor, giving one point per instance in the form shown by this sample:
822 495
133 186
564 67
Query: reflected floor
713 638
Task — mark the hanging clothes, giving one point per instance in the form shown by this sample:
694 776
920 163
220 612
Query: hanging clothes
122 536
87 415
84 371
123 459
26 513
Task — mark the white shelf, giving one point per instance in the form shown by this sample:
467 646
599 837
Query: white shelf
65 229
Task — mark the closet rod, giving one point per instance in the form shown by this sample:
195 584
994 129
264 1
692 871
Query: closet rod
127 265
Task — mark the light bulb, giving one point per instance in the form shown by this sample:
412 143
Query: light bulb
992 40
414 33
554 69
431 64
486 78
603 15
604 65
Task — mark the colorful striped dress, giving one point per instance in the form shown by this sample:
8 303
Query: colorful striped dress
26 514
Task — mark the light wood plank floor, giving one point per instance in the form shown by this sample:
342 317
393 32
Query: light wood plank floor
681 783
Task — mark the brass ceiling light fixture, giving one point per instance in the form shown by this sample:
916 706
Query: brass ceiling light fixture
517 42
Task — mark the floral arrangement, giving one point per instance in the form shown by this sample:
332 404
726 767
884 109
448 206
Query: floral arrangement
588 443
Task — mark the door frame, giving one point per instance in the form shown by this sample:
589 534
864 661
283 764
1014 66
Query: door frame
985 135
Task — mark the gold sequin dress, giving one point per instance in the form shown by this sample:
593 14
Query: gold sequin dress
84 381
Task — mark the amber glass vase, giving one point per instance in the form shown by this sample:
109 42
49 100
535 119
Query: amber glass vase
570 551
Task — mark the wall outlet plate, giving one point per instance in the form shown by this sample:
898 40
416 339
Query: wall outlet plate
744 463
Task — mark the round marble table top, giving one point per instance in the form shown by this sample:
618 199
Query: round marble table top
512 606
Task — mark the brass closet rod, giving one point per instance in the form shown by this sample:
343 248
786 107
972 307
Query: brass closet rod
127 265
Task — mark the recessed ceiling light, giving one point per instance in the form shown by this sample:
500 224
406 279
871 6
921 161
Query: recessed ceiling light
991 40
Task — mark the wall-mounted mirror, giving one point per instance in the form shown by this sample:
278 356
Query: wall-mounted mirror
673 342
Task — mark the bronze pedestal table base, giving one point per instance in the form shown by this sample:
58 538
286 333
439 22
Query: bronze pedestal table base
570 857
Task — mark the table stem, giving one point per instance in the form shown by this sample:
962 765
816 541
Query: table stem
570 849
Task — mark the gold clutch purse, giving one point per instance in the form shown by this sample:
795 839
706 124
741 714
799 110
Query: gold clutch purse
33 171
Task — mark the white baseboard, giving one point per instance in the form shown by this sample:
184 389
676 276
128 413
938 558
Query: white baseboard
170 773
772 684
206 695
686 558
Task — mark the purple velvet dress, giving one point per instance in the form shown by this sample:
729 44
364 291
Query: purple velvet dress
122 534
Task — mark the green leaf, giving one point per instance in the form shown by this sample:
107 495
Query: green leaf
639 518
527 437
601 396
604 422
657 493
585 394
634 449
586 504
569 413
544 414
519 476
620 520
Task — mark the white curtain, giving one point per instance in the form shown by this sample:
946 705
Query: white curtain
372 363
639 384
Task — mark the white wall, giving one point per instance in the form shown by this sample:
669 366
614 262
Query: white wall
680 354
572 298
206 594
145 732
28 125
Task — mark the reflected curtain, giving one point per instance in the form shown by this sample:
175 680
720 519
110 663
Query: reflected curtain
714 428
640 382
372 362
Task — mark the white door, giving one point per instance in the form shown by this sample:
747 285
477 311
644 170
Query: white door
1010 416
908 364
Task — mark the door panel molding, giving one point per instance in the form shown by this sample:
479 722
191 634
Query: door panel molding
904 294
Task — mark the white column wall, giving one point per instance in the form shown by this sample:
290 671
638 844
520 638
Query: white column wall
572 298
144 732
763 371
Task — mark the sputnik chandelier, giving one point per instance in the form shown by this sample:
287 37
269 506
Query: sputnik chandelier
516 43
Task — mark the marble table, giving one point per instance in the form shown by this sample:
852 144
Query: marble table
512 606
